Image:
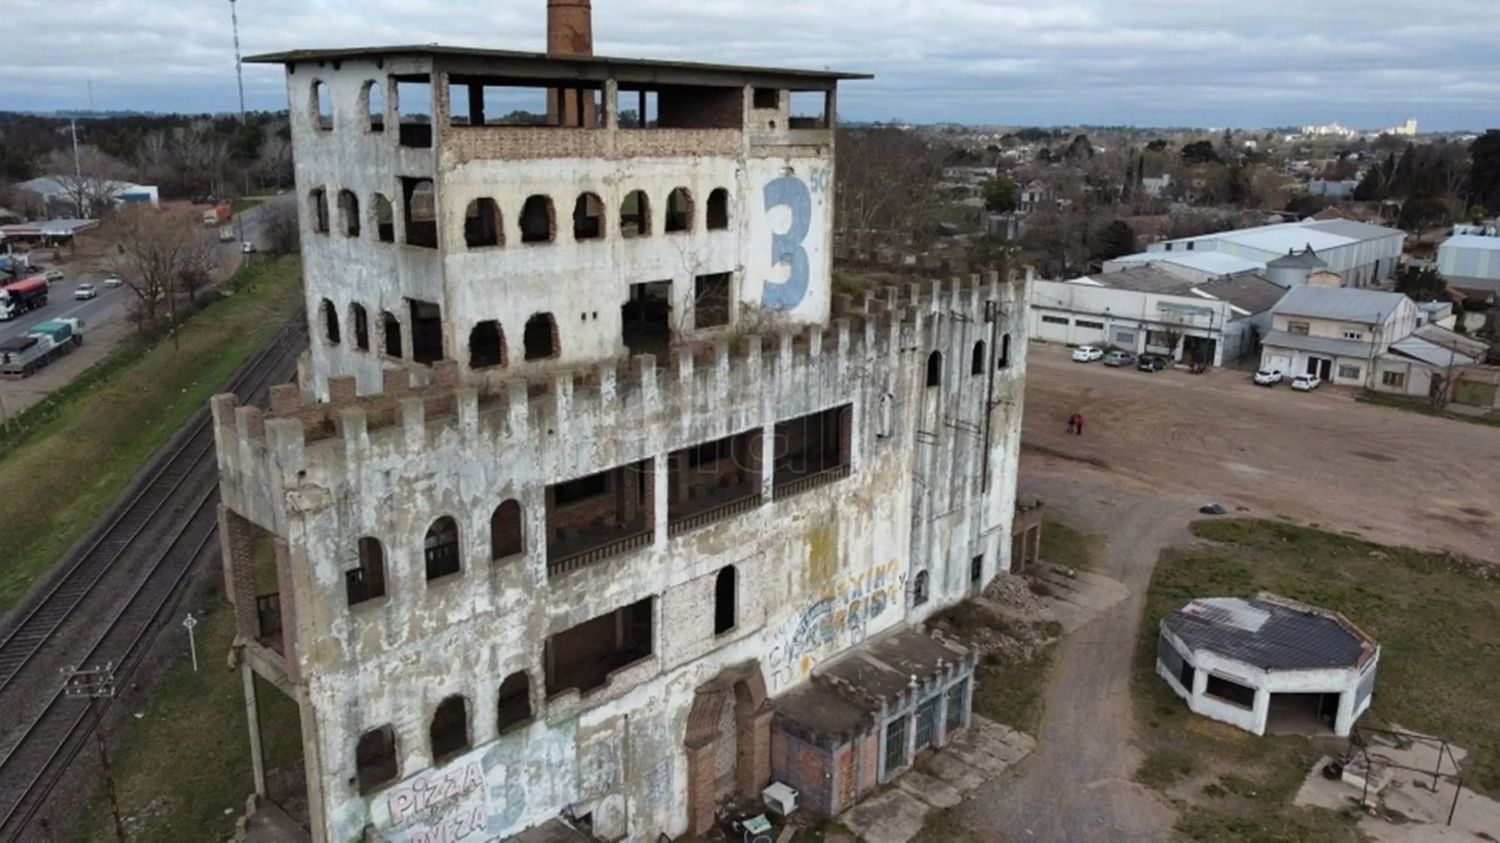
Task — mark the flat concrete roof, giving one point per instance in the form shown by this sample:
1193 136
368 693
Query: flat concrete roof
595 68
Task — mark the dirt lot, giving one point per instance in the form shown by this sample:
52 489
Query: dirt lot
1319 458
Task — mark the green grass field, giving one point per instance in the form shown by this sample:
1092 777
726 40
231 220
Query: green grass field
1438 623
78 453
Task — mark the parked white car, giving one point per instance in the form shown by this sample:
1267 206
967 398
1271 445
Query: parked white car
1305 383
1087 354
84 291
1269 377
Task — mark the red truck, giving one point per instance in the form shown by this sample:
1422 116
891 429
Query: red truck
219 213
21 296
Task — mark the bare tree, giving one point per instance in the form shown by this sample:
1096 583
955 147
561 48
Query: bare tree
279 222
157 254
91 182
885 182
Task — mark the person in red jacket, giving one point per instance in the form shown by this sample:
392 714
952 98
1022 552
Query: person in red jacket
1078 424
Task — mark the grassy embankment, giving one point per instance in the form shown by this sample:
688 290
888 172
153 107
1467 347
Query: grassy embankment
1418 405
1438 623
67 459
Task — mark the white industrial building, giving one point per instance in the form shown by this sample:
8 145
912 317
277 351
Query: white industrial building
1147 309
1267 663
1365 255
1470 263
1194 266
1335 333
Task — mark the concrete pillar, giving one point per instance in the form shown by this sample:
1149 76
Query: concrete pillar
252 721
1262 709
659 475
1344 722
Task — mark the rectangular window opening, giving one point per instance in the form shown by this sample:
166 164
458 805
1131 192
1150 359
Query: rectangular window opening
711 300
713 480
809 110
811 451
1298 328
766 98
414 110
1350 372
419 209
1396 379
1224 690
426 331
499 101
585 656
681 107
646 318
601 515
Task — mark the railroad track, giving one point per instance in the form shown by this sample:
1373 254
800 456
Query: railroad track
37 761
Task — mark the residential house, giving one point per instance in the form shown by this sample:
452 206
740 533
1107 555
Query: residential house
1335 333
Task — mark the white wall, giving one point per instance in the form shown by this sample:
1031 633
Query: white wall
1127 310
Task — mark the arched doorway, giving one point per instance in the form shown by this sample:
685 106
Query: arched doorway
728 742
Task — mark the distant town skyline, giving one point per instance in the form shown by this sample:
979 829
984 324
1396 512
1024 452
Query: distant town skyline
1366 64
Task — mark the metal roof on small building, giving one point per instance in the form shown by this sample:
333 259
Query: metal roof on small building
1316 345
1370 307
1271 632
1247 292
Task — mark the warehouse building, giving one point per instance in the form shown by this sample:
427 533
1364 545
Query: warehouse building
1365 255
1470 263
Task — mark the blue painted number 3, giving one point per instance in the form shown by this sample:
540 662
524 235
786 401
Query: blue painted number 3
786 247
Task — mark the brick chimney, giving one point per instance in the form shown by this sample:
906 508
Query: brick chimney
570 32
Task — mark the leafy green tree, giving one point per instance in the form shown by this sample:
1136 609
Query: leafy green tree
1484 173
1000 194
1200 152
1114 240
1420 283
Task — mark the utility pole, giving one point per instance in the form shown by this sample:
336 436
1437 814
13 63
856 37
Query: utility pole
96 685
77 167
239 76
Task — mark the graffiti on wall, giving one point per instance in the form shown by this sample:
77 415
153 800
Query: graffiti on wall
440 806
864 604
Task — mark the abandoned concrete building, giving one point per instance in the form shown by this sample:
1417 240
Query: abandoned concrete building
588 470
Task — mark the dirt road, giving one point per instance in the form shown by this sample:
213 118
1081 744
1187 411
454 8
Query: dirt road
1319 458
1155 446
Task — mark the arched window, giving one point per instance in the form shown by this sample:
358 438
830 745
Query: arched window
635 215
486 345
919 589
540 338
318 213
390 333
976 366
375 758
440 548
482 224
935 368
330 322
1002 360
372 99
450 728
679 210
360 324
349 212
588 217
385 219
366 582
506 536
515 700
724 600
718 209
322 105
537 220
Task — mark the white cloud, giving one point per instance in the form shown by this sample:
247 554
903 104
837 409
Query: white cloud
1207 62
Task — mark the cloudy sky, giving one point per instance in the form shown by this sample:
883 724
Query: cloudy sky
1365 63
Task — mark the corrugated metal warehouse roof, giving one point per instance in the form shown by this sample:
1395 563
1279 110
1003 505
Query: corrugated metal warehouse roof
1370 307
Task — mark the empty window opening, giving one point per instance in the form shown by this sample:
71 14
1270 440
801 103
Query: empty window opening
506 536
372 99
414 109
718 209
935 368
895 745
359 320
646 318
600 515
639 108
349 212
976 569
588 217
540 337
385 220
486 345
482 224
515 701
426 331
496 101
764 98
584 656
318 211
1002 360
635 214
811 450
809 110
711 300
713 480
919 589
724 600
390 333
330 322
420 206
366 582
1233 693
538 220
976 365
375 758
679 210
322 105
1302 713
440 548
450 729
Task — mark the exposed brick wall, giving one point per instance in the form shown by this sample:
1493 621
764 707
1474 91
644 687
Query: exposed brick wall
623 501
700 788
462 144
239 570
808 769
701 108
288 595
753 752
